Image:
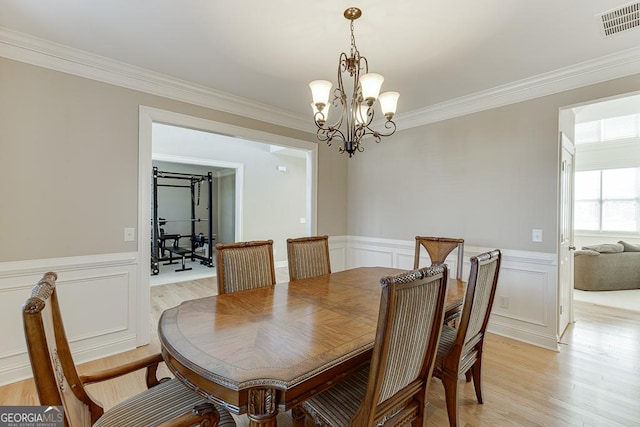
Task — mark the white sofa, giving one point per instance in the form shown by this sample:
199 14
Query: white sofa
607 267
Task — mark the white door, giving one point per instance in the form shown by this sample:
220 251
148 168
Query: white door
565 270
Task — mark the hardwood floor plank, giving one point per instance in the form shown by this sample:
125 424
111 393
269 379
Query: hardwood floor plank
593 381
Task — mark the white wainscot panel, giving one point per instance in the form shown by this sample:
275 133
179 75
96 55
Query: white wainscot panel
405 261
12 299
369 257
104 308
526 294
337 256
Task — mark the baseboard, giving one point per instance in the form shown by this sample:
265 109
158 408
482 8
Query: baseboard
528 337
21 369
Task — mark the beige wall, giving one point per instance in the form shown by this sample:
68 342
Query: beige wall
68 169
332 190
69 163
488 177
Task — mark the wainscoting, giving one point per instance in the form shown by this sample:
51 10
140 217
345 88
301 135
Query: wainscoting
526 299
105 300
98 299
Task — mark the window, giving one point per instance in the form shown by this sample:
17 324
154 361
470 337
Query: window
607 200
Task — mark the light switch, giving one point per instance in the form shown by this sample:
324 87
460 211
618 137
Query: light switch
129 234
536 235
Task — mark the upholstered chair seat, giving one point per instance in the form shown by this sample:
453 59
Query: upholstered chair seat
338 407
161 403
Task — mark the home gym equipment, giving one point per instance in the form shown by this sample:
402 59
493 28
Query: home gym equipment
159 238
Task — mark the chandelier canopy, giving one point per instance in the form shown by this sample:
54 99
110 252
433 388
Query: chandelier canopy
356 113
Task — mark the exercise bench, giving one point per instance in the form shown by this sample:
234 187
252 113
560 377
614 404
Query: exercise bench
181 252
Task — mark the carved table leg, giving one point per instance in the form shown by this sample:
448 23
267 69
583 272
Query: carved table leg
262 407
298 416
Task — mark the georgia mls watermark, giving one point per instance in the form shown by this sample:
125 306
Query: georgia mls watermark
31 416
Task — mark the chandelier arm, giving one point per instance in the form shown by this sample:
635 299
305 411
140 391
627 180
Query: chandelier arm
389 124
329 134
366 64
343 66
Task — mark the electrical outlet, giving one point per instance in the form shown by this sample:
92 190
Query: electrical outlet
129 234
503 302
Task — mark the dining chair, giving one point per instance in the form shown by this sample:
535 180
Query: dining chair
166 402
393 388
460 349
438 249
245 265
308 257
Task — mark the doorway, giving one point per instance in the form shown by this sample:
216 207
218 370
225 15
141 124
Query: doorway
245 229
606 133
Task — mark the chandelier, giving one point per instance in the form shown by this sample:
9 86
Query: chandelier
356 114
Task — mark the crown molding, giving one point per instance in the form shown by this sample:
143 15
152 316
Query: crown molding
620 64
43 53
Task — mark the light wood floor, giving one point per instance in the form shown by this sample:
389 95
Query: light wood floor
593 381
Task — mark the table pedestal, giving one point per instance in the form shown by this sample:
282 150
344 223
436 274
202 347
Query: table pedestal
262 407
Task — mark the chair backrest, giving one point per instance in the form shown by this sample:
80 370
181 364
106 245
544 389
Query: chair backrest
308 257
245 265
438 249
478 301
409 326
54 371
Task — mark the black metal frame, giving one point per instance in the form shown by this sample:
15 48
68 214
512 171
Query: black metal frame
156 238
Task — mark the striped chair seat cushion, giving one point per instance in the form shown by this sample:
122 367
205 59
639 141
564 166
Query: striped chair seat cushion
335 407
446 343
156 405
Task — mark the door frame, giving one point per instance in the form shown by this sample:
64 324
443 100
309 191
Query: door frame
566 144
149 115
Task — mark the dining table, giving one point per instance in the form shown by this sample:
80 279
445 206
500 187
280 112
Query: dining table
268 349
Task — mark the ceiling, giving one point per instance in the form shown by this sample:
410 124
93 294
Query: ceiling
268 51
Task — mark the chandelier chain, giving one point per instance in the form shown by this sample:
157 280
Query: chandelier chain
354 48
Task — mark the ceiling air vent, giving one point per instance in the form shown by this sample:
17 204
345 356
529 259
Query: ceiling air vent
621 19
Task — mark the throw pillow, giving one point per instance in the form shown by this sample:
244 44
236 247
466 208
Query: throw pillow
586 252
606 248
628 247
